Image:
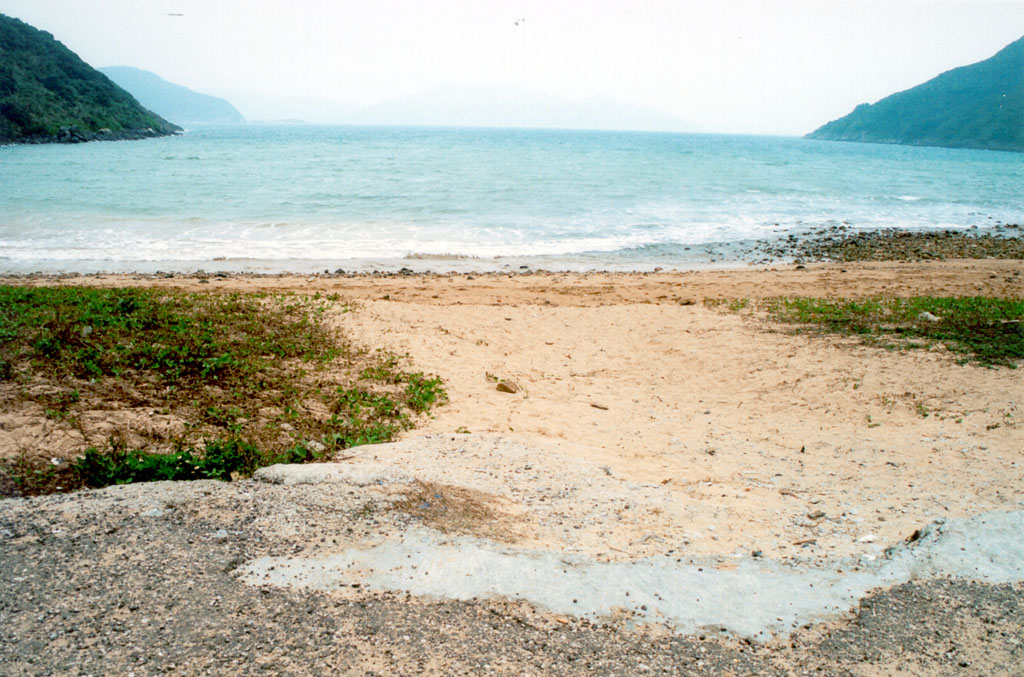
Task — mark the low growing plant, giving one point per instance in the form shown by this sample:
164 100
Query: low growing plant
984 330
232 368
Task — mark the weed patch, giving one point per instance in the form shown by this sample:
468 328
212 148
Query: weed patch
984 330
251 379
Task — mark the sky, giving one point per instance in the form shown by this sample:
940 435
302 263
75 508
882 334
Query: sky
768 67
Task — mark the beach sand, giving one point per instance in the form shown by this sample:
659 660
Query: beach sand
719 432
644 424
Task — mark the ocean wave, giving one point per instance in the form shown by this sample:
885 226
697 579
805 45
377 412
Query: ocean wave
264 194
416 256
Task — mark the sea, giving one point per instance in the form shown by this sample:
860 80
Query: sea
304 198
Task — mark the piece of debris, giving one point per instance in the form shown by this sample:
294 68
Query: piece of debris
507 387
595 405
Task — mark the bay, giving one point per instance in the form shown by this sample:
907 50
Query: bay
302 198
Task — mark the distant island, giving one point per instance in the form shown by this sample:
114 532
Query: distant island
977 106
179 104
48 94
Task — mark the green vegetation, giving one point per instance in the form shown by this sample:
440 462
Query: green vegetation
248 379
987 331
976 106
220 460
45 87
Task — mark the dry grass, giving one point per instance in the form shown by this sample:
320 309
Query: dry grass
456 510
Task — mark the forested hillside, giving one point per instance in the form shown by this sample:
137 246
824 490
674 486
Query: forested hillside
48 94
976 106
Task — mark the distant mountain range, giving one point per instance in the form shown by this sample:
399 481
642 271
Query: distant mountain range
465 106
976 106
48 94
174 102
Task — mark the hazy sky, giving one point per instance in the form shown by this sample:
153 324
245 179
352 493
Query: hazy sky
778 67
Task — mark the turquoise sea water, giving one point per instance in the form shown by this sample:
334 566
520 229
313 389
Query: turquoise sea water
307 198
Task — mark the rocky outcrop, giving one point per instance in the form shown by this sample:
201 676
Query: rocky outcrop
74 134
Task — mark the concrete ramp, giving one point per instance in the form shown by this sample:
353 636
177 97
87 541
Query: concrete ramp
750 597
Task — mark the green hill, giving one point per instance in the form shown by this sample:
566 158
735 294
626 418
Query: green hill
48 94
976 106
172 101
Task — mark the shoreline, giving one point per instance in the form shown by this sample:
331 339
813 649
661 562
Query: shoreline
837 243
861 279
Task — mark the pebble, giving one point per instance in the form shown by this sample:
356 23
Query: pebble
507 387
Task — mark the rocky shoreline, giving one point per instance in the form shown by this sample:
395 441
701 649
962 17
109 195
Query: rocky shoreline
834 244
844 245
74 134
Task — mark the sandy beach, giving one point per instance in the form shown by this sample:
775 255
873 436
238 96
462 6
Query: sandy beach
746 427
645 422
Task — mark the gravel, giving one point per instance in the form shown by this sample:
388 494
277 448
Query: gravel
144 580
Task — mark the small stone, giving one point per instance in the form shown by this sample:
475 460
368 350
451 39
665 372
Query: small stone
928 317
507 387
315 446
816 515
